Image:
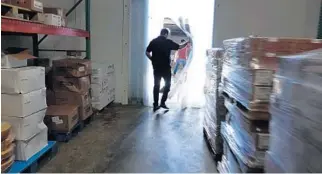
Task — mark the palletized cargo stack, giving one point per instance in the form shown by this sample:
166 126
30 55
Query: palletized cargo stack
71 88
247 83
296 107
23 105
214 109
7 146
102 85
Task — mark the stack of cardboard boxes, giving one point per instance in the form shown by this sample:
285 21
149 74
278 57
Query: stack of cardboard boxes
215 111
102 85
248 71
296 107
71 89
23 105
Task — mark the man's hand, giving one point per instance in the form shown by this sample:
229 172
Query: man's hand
148 55
183 45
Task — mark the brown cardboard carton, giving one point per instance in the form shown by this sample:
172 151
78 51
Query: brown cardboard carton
35 5
79 85
6 1
50 97
56 11
83 100
72 67
85 111
61 117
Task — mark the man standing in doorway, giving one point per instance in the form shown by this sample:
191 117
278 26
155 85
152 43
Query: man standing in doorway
160 48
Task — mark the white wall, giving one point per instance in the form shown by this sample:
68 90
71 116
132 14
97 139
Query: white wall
288 18
110 38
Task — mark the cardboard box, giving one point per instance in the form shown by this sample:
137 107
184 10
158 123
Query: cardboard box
15 57
52 19
50 97
79 85
72 67
62 117
6 1
22 105
85 111
56 11
39 17
27 148
26 127
72 98
22 80
30 4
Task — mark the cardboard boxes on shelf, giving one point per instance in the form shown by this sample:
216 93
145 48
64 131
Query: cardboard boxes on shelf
57 12
52 19
34 5
24 108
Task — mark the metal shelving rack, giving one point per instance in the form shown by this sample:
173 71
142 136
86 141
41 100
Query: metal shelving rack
26 28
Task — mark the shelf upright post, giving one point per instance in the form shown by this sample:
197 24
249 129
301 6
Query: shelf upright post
35 45
88 27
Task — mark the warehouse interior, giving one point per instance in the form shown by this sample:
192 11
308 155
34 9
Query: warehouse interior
77 87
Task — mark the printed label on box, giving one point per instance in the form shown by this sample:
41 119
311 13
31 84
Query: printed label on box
262 93
81 69
263 77
263 141
57 120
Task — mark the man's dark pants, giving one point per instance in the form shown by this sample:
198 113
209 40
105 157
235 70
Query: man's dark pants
166 75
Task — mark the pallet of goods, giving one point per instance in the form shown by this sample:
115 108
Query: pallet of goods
26 10
102 85
247 80
23 90
214 110
70 99
296 124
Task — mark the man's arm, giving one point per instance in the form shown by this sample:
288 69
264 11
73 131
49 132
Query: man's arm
148 51
148 54
183 45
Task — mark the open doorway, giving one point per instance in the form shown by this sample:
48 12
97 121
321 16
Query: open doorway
184 19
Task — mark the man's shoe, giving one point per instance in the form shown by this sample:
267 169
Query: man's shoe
164 106
155 108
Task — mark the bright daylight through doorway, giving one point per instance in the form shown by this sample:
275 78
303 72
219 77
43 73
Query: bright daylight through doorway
199 16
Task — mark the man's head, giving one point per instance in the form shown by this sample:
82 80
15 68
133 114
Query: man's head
165 32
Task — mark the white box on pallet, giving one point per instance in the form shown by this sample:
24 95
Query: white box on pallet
22 105
27 148
22 80
26 127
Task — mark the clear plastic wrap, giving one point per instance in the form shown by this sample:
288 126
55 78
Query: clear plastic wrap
248 161
253 98
296 107
306 67
262 52
214 106
271 165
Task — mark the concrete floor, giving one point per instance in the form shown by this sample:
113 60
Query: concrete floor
133 139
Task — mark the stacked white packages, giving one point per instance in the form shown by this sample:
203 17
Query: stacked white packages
23 105
102 85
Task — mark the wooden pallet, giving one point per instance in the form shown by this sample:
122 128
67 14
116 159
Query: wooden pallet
18 13
65 136
87 121
216 156
32 165
255 113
